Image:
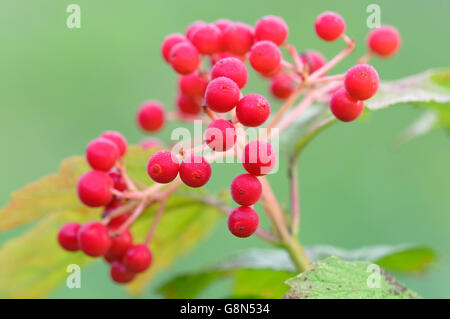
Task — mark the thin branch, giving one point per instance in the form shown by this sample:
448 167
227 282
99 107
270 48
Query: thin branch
295 198
156 219
123 172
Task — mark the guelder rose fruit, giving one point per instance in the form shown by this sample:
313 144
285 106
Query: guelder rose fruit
220 135
94 188
361 81
258 158
163 167
243 221
345 107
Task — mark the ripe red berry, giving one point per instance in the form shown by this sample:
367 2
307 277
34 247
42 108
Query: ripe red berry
184 58
94 188
102 154
93 239
188 105
119 182
313 60
169 42
163 167
67 236
345 107
361 81
120 274
207 38
220 135
253 110
329 26
137 258
272 73
265 56
246 189
119 245
150 116
258 158
190 30
222 94
150 142
384 41
238 38
193 85
231 68
271 28
243 221
195 171
117 139
282 86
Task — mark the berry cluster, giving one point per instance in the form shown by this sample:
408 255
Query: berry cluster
210 60
96 189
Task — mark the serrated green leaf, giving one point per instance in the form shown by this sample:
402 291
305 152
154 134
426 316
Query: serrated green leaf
272 264
334 278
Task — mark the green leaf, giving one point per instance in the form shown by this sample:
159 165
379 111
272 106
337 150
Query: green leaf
256 273
421 88
33 264
429 90
337 278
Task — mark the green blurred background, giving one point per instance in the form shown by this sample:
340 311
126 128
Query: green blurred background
61 87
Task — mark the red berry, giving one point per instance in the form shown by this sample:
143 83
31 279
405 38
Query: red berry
195 171
163 167
361 81
169 42
222 94
384 41
313 60
119 182
243 221
117 139
67 236
188 105
193 85
271 28
238 38
231 68
119 245
329 26
246 189
102 154
184 58
282 86
207 38
93 239
345 107
94 188
193 27
258 158
253 110
150 116
265 56
220 135
137 258
120 274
